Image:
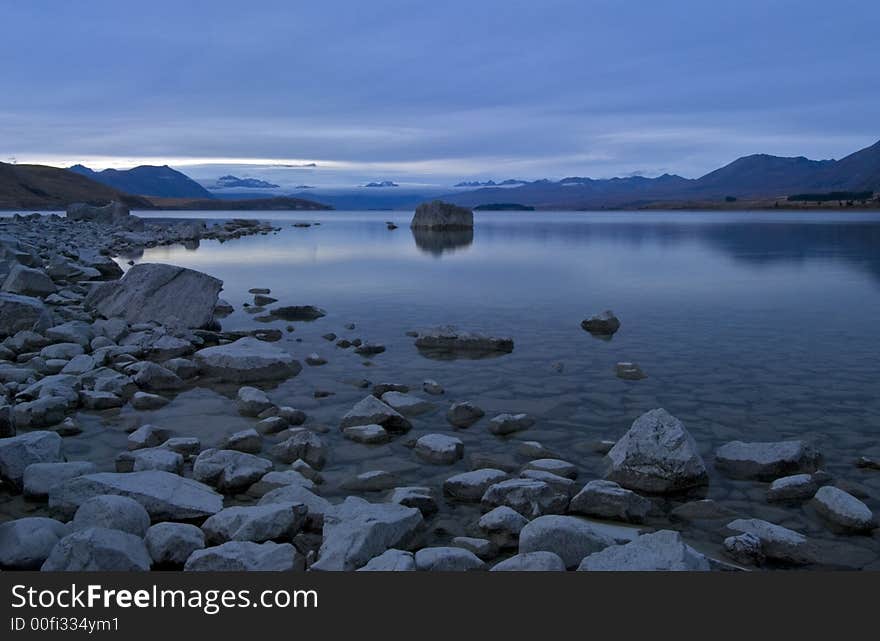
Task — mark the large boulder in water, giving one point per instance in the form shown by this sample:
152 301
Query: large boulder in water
22 313
115 214
247 359
165 294
440 215
657 455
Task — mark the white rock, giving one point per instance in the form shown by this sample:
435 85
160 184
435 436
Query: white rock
661 551
229 470
370 410
483 548
246 556
569 537
173 543
147 436
256 523
302 444
540 561
505 424
356 531
843 509
657 454
797 487
418 497
391 561
40 477
114 513
165 496
553 466
248 441
145 401
766 461
447 559
252 401
150 458
407 404
98 549
247 359
470 486
503 526
18 452
439 448
607 500
369 434
26 543
318 506
777 542
529 497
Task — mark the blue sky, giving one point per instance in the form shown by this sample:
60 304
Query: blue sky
435 92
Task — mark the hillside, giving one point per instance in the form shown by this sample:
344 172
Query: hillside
280 203
43 187
755 177
147 180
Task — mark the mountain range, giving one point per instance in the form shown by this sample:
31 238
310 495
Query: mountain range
231 182
43 187
147 180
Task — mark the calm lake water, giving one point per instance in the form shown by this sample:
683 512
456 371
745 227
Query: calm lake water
752 326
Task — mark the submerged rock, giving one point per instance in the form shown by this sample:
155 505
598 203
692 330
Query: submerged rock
155 292
371 411
602 324
464 414
657 455
662 551
505 424
439 448
450 339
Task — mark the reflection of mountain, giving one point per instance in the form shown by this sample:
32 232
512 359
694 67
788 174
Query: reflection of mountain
439 242
855 242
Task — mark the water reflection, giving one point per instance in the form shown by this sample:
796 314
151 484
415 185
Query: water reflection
438 242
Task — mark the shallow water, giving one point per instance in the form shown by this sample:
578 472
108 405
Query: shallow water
752 326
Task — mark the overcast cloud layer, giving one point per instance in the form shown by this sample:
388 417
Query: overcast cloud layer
435 92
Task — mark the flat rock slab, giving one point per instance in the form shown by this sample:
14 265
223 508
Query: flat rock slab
766 460
165 496
247 359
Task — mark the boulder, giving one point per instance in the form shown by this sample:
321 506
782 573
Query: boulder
171 544
74 331
318 506
553 466
39 478
447 559
153 292
247 359
145 401
150 458
607 500
371 481
602 324
369 434
114 214
26 543
256 523
391 561
98 549
777 543
766 461
540 561
43 412
155 378
843 510
356 531
302 444
439 449
372 411
246 556
18 452
28 281
165 496
483 548
570 537
275 479
503 526
147 436
112 512
797 487
228 470
663 551
252 401
439 215
19 313
657 455
529 497
407 404
470 486
419 497
248 441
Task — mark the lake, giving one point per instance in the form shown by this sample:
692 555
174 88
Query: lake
754 326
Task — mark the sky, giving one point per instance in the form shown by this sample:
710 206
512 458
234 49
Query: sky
430 93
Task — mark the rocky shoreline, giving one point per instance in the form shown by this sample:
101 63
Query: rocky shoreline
77 336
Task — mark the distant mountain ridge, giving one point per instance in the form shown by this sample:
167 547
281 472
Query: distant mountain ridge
230 181
147 180
751 177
